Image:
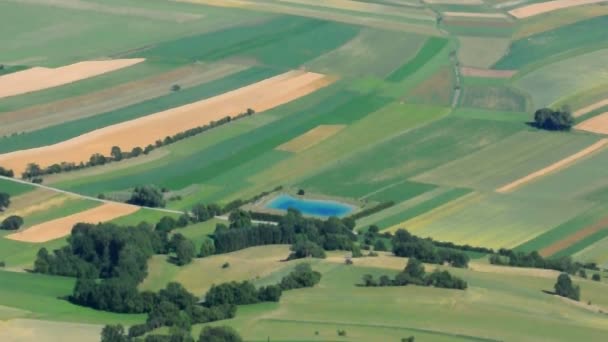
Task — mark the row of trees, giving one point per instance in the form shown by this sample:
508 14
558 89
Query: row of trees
507 257
415 274
240 293
34 170
428 250
116 333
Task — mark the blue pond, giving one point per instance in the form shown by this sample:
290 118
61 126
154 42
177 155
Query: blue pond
321 208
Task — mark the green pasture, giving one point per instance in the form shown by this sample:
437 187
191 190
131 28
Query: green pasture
417 208
21 255
430 48
585 180
498 98
507 160
494 220
371 53
42 296
484 114
597 252
494 308
481 52
58 133
562 231
407 155
13 188
580 36
143 215
582 244
285 42
47 35
553 82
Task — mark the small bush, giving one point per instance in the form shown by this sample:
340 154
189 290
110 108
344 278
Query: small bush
176 87
226 265
596 277
301 192
341 332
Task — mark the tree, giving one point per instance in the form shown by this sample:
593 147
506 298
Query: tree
147 196
553 120
97 159
596 277
207 248
5 201
113 333
301 192
565 288
6 172
116 153
369 281
379 245
414 269
32 170
239 219
219 334
306 249
176 87
12 222
184 252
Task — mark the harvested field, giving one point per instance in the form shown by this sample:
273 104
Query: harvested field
572 239
39 78
590 108
310 138
554 167
486 73
140 132
549 6
103 101
597 124
36 205
476 15
61 227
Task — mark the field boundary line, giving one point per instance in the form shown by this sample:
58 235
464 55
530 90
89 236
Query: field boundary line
554 167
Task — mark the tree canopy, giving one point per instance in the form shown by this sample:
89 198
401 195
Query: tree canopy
553 120
12 222
565 288
147 196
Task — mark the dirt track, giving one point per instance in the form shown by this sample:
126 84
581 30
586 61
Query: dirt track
572 239
140 132
549 6
38 78
476 15
55 229
555 166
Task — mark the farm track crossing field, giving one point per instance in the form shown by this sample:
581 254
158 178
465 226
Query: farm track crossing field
61 227
563 163
38 78
261 96
110 99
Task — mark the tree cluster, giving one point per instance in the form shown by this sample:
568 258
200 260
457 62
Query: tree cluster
34 170
147 196
565 288
553 120
415 274
6 172
242 293
426 250
332 234
508 257
12 222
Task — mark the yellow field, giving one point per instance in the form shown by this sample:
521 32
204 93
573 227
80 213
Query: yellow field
310 138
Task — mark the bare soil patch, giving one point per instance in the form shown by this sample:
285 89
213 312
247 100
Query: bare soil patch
486 73
549 6
39 78
143 131
555 166
590 108
572 239
55 229
597 124
310 138
91 104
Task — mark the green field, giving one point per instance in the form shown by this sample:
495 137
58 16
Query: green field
413 131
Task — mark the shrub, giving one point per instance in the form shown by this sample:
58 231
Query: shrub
176 87
301 192
226 265
6 172
565 288
219 334
596 277
341 332
147 196
5 201
553 120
